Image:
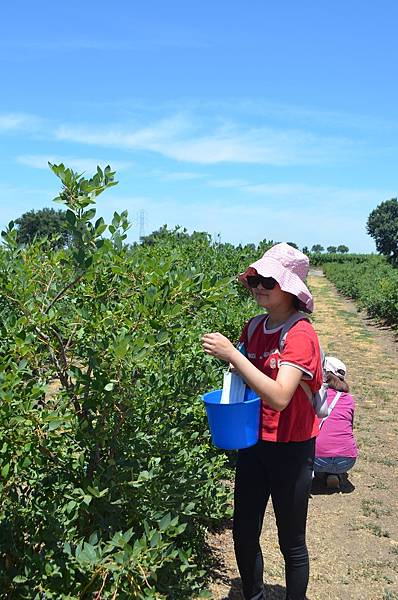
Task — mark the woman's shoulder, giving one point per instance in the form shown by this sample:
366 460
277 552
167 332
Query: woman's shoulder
304 326
345 397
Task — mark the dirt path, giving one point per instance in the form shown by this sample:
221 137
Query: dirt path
352 536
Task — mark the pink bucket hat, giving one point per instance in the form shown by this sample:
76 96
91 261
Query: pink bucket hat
289 267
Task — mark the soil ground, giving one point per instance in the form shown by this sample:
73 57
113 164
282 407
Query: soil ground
352 535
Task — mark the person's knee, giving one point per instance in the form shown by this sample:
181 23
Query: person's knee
294 551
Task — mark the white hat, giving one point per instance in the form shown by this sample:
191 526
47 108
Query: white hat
335 366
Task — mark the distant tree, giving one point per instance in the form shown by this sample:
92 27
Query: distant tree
163 233
265 245
305 250
317 248
382 225
176 234
293 244
250 247
46 222
342 248
331 249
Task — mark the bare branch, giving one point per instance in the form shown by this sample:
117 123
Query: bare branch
62 292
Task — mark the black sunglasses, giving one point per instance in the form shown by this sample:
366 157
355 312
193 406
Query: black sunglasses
268 283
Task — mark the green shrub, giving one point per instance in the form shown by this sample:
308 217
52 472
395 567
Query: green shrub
373 283
109 481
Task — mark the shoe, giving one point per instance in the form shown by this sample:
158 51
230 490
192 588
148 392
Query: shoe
333 482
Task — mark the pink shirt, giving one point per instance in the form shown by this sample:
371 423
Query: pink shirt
336 437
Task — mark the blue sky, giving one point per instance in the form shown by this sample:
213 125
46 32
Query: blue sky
251 120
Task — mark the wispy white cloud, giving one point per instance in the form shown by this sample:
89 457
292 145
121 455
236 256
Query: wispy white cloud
17 121
179 175
142 138
25 190
182 139
339 199
342 198
228 183
262 109
18 199
40 161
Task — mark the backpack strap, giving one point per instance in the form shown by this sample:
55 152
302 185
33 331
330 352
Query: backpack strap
253 323
331 407
295 318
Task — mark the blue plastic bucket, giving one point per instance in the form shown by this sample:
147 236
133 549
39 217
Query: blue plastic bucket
233 426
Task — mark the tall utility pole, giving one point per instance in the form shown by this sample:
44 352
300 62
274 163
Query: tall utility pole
142 225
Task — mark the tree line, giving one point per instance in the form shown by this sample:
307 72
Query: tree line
382 226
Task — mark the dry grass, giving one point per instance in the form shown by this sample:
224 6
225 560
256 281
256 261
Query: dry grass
352 536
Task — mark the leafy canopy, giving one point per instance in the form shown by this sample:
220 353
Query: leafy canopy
45 223
317 248
382 226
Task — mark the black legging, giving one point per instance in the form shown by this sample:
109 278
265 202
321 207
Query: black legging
284 472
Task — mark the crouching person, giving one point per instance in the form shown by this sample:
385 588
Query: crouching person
336 450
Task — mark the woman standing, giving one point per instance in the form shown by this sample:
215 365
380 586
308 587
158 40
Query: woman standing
280 464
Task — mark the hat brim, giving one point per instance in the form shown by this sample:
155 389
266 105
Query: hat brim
336 366
288 281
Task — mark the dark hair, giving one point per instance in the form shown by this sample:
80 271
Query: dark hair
336 383
298 305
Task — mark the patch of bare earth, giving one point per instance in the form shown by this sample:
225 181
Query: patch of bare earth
352 535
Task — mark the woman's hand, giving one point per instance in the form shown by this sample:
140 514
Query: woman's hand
218 345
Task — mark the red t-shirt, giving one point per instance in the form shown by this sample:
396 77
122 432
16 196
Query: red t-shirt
297 422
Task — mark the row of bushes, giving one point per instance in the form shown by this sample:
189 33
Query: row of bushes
373 283
318 258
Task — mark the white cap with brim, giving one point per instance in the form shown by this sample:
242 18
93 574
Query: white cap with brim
335 366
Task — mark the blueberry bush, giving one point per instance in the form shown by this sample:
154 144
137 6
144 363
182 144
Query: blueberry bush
108 479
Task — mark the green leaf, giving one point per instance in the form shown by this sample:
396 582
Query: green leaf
70 217
93 538
89 214
121 347
128 534
5 470
165 522
70 506
55 424
155 539
88 553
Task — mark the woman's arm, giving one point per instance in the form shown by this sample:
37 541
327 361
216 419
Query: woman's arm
276 393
